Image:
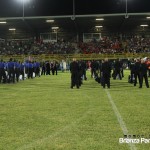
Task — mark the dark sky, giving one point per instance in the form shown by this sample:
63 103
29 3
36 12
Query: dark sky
13 8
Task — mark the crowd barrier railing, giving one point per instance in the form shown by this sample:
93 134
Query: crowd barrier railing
59 57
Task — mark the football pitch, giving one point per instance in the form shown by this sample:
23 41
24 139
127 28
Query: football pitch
45 114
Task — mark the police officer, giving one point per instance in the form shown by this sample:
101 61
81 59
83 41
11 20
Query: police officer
106 73
74 69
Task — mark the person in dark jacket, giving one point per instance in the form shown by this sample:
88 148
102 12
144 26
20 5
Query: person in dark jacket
43 68
55 67
143 74
106 73
48 68
30 68
83 69
22 69
117 69
137 71
2 72
74 69
132 67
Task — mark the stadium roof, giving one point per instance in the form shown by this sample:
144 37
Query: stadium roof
74 15
81 23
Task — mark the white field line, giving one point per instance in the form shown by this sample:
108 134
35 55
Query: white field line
120 119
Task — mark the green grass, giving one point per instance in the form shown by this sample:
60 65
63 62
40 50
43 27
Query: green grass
45 114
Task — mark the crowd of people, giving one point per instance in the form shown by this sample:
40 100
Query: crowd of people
30 47
78 73
116 45
106 45
14 71
104 70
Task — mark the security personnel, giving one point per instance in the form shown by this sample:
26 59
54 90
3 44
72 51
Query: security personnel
143 74
106 73
74 69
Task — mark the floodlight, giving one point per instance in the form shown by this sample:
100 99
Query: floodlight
3 22
24 1
98 26
12 29
144 25
99 19
55 28
49 21
148 17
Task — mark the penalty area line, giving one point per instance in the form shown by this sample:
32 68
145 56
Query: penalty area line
120 119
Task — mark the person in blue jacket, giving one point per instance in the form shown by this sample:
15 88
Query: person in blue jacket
2 72
11 71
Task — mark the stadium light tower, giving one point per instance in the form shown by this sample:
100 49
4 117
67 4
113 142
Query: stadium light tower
23 4
73 15
126 15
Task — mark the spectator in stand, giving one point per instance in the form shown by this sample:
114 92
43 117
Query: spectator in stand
107 45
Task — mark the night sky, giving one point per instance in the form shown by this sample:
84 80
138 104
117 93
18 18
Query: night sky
13 8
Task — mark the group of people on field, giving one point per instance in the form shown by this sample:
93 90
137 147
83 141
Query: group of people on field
78 73
13 70
103 70
139 71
